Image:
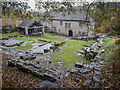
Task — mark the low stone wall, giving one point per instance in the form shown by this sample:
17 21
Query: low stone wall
92 53
34 69
59 43
86 38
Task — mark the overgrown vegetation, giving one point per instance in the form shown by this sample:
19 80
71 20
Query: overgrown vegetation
112 54
115 63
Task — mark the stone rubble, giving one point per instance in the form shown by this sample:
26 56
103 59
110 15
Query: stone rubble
11 43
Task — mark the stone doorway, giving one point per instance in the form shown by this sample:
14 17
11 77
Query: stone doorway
70 33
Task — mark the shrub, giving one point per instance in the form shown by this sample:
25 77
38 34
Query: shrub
10 30
14 30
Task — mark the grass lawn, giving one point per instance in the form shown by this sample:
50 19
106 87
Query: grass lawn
67 53
49 34
37 38
52 34
8 34
26 38
52 39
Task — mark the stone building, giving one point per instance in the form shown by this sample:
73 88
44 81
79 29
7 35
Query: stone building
30 27
71 24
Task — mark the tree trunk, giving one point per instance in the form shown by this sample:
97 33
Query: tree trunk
88 11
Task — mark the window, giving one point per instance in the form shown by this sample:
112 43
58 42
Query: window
65 25
69 25
61 22
54 28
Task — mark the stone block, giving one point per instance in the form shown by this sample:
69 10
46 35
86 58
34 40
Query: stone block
79 65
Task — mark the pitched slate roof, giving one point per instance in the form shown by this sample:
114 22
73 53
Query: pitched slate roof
73 16
26 23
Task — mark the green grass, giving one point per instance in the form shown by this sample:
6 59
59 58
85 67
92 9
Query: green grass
28 46
36 38
49 34
8 34
52 39
26 39
67 54
52 34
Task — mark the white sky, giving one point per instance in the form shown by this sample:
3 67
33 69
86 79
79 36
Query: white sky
31 3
